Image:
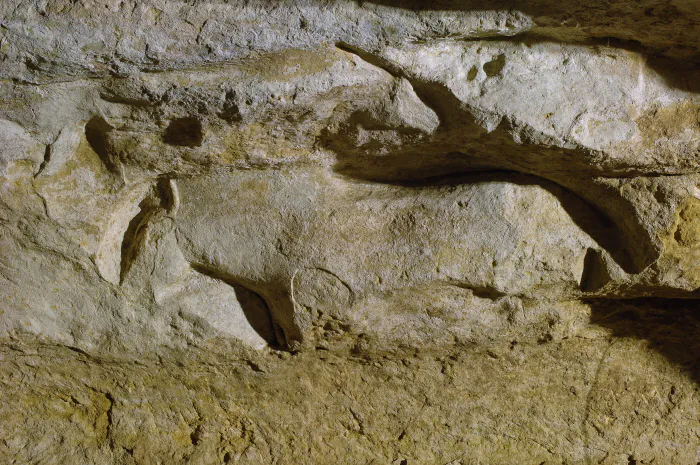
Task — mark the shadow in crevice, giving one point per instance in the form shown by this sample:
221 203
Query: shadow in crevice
595 272
255 308
97 135
670 326
184 132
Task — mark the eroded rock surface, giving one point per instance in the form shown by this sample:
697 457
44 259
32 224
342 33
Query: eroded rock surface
356 232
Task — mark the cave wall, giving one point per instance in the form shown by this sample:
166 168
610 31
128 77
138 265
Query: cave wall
395 232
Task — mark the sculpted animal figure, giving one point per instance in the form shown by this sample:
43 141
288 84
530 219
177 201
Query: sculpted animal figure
311 243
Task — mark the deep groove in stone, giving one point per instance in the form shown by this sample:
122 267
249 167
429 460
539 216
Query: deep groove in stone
97 135
134 235
162 198
45 161
595 274
184 132
266 326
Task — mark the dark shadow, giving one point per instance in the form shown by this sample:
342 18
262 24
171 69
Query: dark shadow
97 135
184 132
254 307
595 272
670 326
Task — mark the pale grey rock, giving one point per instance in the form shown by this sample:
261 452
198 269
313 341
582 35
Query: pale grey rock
253 183
324 123
17 146
318 118
262 230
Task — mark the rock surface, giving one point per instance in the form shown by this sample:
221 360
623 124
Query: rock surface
350 232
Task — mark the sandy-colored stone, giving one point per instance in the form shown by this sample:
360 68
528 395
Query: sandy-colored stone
349 232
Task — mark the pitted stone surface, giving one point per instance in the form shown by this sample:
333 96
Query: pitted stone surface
308 209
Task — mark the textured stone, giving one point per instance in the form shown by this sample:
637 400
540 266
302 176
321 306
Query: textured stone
355 232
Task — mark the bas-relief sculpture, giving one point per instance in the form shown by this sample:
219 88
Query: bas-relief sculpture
453 234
